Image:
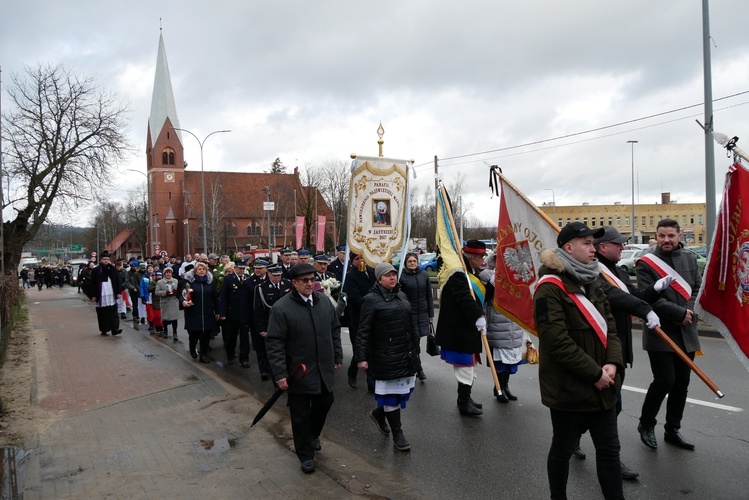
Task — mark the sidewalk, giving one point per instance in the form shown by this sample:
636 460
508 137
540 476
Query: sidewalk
131 417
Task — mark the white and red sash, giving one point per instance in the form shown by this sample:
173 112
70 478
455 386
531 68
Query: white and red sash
586 307
613 277
662 269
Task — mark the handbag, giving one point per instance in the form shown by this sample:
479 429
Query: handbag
529 351
432 348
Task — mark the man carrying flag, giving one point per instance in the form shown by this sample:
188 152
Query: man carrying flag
675 308
461 321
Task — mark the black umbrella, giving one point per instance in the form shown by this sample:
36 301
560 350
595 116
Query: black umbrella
277 394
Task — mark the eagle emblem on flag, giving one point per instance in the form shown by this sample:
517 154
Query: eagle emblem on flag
518 263
742 273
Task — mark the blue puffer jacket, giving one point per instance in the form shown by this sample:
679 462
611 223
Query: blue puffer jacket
386 339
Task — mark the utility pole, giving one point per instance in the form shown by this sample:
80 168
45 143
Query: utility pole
270 246
709 127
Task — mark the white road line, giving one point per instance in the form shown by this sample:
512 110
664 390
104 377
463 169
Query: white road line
690 400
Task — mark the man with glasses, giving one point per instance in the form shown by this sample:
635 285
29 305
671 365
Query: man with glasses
303 329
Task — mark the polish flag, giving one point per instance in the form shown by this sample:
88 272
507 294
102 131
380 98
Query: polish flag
523 231
723 300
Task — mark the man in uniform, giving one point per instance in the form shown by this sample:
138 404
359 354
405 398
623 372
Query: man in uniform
321 268
336 267
260 267
267 293
285 255
461 323
229 311
582 357
675 307
304 329
304 256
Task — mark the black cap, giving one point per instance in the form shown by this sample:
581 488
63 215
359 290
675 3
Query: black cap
322 258
610 234
475 247
300 270
275 269
576 230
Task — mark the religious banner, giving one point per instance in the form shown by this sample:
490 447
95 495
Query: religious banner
320 238
377 212
723 300
299 230
523 231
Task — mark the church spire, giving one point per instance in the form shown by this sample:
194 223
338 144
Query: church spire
162 101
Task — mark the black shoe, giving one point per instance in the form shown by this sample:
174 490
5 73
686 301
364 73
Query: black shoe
104 334
421 375
579 453
647 435
308 466
468 410
676 439
500 396
628 473
123 315
477 405
165 335
264 376
352 382
116 332
205 360
230 361
400 442
245 364
316 445
176 339
378 417
142 321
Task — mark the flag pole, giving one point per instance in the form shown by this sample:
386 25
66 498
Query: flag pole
484 340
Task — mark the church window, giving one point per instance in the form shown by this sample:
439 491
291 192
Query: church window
167 156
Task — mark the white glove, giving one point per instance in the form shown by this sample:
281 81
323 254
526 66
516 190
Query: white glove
481 324
652 320
663 283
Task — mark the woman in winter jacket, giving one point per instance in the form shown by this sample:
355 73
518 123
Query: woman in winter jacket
504 335
386 345
145 296
166 291
199 301
158 324
416 285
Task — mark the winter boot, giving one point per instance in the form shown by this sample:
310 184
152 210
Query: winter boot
399 440
378 416
464 402
135 323
504 382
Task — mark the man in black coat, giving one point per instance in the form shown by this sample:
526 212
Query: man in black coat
230 314
336 267
626 301
258 277
460 325
267 294
105 288
304 329
359 281
321 263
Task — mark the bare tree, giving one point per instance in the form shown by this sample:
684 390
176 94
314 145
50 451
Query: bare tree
306 201
136 217
335 177
63 135
216 213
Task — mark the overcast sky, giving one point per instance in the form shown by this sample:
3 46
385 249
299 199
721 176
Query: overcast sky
309 81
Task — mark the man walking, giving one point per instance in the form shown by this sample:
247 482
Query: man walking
105 288
675 306
582 357
304 329
229 311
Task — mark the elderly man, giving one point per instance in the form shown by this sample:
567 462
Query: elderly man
247 320
582 358
304 330
461 323
230 314
675 306
304 256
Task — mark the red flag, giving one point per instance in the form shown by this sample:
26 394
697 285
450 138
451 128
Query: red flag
299 230
320 240
523 231
723 300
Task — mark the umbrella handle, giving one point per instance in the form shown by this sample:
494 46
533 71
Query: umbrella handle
301 366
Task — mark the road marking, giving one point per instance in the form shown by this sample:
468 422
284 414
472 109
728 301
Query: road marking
690 400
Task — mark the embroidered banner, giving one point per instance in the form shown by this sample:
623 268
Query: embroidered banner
320 239
725 288
378 197
299 230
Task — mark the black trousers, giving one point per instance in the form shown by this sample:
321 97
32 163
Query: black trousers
231 331
134 298
567 427
203 338
308 414
670 376
108 318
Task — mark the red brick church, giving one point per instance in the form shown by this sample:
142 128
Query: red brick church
235 215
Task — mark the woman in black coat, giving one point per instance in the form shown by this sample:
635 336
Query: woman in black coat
358 283
386 345
199 301
417 287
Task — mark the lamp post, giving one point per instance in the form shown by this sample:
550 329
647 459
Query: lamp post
202 176
634 238
553 204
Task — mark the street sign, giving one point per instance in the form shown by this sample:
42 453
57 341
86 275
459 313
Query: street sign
269 205
76 248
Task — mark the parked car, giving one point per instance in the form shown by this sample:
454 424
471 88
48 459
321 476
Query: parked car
701 261
628 260
700 250
428 261
396 259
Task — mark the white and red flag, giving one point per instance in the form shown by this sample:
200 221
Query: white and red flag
523 231
723 300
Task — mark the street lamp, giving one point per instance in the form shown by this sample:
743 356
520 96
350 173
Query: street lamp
553 204
634 238
202 176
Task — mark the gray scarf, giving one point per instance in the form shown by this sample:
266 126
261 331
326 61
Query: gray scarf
582 273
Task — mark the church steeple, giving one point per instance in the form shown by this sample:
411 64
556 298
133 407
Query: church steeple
162 100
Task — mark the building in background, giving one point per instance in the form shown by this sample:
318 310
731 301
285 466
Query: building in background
690 216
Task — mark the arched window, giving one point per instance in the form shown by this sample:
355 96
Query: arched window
167 156
253 229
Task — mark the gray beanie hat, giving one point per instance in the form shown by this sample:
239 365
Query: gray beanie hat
382 269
